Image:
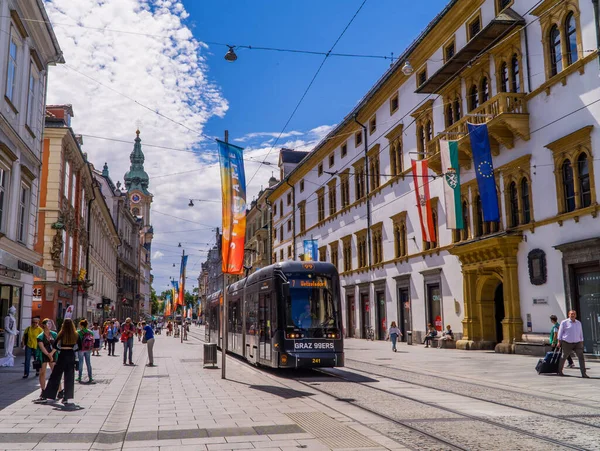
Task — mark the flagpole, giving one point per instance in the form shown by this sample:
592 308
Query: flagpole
182 288
225 311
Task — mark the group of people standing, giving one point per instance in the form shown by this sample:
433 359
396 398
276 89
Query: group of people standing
66 352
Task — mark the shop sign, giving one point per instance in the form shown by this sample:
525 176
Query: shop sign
438 323
64 294
37 294
540 301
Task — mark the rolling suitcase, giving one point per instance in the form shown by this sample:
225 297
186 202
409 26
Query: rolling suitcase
549 364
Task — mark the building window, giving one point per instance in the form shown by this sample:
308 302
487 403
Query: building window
361 244
347 253
333 248
514 69
465 231
377 243
373 125
289 226
345 188
320 169
525 202
400 242
449 51
394 104
66 179
396 155
302 185
514 204
374 174
280 233
323 254
31 97
421 77
555 51
3 189
331 160
11 75
571 39
568 185
359 180
289 198
504 77
503 4
457 110
332 197
344 150
433 244
357 139
585 191
281 207
289 252
275 209
485 90
473 98
321 205
302 208
23 206
474 27
281 254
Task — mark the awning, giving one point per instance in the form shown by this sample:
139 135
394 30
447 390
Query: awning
506 21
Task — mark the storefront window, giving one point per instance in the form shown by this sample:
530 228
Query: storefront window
9 295
434 301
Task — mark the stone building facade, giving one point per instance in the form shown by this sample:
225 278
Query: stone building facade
529 70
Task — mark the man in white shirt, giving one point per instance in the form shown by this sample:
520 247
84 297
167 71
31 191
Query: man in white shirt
570 338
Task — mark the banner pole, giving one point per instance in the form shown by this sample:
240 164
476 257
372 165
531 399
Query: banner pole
182 288
225 312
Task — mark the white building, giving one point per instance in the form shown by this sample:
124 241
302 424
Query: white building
27 48
529 70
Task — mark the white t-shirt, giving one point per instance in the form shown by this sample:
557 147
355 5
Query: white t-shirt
96 333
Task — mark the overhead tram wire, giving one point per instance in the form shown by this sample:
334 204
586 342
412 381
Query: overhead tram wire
478 56
310 85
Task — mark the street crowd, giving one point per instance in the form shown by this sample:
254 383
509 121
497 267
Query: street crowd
66 352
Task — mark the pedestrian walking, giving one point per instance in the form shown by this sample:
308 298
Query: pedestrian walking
149 340
46 353
431 334
393 334
86 347
112 334
570 338
139 331
554 338
96 333
66 342
29 343
104 333
127 333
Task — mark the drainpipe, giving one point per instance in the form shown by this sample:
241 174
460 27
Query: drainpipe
527 59
597 25
293 219
269 232
367 191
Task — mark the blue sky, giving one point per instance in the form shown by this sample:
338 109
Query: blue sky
262 87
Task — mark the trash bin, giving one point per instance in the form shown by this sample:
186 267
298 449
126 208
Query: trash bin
408 338
210 354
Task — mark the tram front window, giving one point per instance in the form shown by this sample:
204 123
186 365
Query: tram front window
310 305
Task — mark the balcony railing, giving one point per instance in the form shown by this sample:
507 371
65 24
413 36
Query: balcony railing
506 116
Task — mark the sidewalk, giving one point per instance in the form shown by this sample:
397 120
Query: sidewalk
178 405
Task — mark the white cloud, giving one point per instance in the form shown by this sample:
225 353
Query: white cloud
167 73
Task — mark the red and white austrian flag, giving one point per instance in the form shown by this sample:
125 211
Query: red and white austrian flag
421 178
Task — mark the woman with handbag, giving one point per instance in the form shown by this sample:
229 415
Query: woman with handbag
47 353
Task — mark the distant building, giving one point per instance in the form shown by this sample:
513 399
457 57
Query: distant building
210 279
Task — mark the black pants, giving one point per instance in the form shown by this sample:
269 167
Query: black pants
428 340
111 346
65 365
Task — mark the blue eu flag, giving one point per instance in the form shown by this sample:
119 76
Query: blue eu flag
484 171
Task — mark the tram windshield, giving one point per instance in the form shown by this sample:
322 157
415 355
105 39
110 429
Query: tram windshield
311 304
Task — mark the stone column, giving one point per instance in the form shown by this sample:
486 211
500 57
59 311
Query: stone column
512 325
471 321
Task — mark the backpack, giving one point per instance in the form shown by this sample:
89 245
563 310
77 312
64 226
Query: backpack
87 342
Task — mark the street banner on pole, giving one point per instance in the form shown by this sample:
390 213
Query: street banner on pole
421 180
184 259
175 291
484 171
233 187
311 248
451 173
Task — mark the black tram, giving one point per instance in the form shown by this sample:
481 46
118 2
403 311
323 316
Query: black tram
287 315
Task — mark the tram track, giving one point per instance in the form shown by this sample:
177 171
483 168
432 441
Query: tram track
545 413
457 413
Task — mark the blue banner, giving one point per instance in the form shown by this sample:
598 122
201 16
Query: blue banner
484 171
311 250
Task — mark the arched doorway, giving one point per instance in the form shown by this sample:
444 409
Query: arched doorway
491 301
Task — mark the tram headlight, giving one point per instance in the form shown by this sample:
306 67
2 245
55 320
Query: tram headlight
284 359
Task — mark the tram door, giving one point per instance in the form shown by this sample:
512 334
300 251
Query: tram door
264 327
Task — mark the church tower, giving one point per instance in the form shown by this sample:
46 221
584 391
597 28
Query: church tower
136 182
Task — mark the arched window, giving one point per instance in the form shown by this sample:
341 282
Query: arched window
449 115
555 51
479 213
421 142
504 77
464 233
397 242
585 191
525 203
514 69
568 186
514 204
485 90
457 113
473 98
403 244
435 230
428 132
571 36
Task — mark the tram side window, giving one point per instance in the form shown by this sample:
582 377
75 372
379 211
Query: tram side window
252 308
235 316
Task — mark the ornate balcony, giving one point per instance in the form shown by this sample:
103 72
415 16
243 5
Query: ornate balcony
506 117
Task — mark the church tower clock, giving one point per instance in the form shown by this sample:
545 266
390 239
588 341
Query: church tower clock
136 182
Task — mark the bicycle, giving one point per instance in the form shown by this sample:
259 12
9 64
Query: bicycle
370 334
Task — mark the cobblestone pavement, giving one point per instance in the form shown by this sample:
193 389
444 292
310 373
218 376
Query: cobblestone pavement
176 405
